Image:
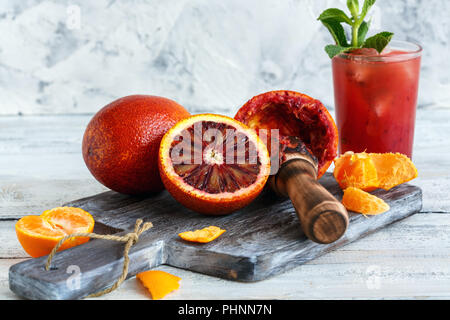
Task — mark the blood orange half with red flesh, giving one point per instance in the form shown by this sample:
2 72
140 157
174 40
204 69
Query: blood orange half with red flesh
294 114
213 164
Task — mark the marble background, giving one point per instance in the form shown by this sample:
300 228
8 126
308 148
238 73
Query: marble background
59 57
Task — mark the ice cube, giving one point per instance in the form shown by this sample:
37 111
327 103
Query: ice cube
387 51
359 73
380 108
364 52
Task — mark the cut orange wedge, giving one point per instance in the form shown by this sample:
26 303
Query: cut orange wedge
393 169
38 235
369 171
357 200
356 170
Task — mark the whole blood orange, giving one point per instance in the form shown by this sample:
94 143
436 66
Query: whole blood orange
213 164
38 235
294 114
121 142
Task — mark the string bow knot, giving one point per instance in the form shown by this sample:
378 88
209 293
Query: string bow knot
130 239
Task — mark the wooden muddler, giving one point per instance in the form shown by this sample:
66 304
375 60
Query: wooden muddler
322 217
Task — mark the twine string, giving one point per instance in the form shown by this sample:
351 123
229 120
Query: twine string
130 239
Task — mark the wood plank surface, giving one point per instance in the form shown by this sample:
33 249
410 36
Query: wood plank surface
381 265
262 240
41 167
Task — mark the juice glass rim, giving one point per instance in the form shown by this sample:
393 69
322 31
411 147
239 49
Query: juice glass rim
409 50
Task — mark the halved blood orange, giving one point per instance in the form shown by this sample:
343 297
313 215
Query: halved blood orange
294 114
213 164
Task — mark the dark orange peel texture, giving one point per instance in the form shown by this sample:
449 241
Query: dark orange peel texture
294 114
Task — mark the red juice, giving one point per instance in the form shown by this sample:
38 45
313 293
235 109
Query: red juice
376 98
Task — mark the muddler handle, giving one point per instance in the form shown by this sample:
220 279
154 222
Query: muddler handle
323 218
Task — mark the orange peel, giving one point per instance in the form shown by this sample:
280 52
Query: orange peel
159 283
204 235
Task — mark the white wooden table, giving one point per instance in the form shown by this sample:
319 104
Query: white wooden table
41 167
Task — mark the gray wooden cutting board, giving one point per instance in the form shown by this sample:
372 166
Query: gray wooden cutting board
262 240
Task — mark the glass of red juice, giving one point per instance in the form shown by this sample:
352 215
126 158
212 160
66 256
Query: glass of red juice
376 98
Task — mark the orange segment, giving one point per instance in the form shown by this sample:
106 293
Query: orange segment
355 170
368 171
38 235
78 218
393 169
38 227
357 200
204 235
159 283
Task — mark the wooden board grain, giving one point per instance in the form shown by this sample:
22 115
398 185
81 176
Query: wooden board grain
261 241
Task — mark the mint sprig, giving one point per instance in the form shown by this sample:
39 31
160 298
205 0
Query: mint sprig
333 19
